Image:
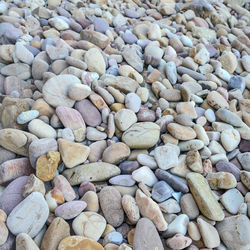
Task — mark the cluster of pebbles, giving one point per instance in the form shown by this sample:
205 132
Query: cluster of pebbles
124 124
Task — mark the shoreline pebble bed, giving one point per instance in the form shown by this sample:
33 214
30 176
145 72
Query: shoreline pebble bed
124 125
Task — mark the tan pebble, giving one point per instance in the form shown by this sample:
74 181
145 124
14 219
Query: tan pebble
178 241
193 231
130 208
92 201
221 180
181 132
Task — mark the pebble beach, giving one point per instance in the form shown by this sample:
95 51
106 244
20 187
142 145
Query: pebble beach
124 124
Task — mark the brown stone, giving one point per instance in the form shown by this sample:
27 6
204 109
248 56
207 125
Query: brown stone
46 166
96 38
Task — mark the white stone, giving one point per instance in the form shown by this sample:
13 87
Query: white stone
41 129
178 225
230 139
145 175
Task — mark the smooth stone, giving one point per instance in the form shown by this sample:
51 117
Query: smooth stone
161 191
244 159
24 241
41 129
132 58
57 231
91 198
127 167
122 180
175 182
79 92
90 225
95 61
61 183
237 82
221 180
170 206
27 116
171 72
113 237
100 24
16 141
209 234
116 153
191 145
70 209
146 236
55 90
110 202
189 206
166 152
234 232
72 153
231 200
204 197
12 194
145 175
147 160
216 100
99 171
181 132
124 119
21 70
6 155
230 139
96 150
33 185
41 147
194 161
224 166
178 241
23 220
177 226
141 135
23 54
89 112
79 242
150 209
133 102
229 117
130 208
210 115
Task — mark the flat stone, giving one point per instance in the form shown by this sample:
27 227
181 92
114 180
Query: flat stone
12 194
21 70
146 236
99 171
209 234
89 112
55 90
133 102
181 132
141 135
29 221
96 38
234 232
70 209
161 191
110 202
57 231
221 180
122 180
230 139
178 241
229 117
189 206
100 24
204 198
224 166
178 226
72 153
23 54
216 100
90 225
12 169
124 119
200 32
191 145
150 209
33 185
41 129
130 208
231 200
131 57
95 61
166 152
116 153
145 175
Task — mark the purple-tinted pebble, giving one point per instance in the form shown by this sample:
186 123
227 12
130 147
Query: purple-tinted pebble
122 180
244 146
129 37
12 194
131 13
161 191
33 50
100 24
85 187
127 167
224 166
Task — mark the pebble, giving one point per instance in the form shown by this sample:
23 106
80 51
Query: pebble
24 241
221 180
243 158
224 166
133 102
204 198
34 219
122 180
41 129
170 206
178 226
189 206
231 200
124 119
98 64
181 132
209 234
146 236
145 175
130 208
113 237
90 225
141 135
100 24
234 231
111 205
178 241
57 231
230 139
161 191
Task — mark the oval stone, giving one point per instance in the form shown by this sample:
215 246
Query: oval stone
29 216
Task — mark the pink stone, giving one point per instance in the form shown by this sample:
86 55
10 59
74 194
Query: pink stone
85 187
62 184
12 169
71 209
